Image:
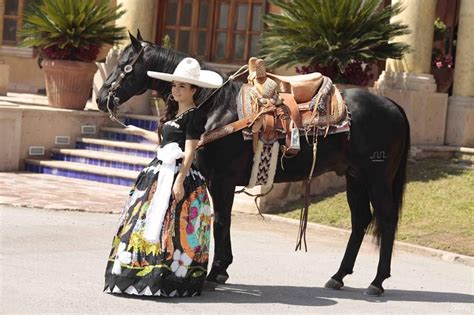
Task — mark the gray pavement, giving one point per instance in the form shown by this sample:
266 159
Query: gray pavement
53 261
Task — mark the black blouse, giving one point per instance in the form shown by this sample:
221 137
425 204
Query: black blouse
189 125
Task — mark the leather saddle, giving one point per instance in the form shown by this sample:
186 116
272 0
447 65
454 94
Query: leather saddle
283 105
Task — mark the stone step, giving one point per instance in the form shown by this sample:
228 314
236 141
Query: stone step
432 151
465 156
122 147
105 159
140 117
142 121
122 134
82 171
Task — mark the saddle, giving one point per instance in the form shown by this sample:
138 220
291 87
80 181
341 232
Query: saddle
281 106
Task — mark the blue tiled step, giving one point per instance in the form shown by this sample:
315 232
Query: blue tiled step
121 134
142 121
106 159
82 171
129 148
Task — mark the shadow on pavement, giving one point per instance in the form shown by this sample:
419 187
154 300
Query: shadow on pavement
309 296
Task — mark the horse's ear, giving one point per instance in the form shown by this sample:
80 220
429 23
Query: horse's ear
135 42
139 36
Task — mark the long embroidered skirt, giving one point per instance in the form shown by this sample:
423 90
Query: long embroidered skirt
175 266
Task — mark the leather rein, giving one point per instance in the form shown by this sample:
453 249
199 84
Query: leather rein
111 96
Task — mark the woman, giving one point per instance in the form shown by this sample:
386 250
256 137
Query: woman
162 243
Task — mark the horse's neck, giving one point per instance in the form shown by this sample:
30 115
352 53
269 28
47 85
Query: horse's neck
223 109
163 60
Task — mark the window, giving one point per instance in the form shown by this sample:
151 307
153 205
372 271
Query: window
223 31
12 21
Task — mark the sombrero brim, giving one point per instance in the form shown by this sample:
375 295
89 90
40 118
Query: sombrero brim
207 79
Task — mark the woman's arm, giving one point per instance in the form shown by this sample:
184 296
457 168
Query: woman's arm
147 134
189 151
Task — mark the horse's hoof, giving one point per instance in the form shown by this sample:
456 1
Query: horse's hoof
372 290
210 285
217 275
221 279
333 284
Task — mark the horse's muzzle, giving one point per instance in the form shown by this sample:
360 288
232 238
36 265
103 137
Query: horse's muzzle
102 99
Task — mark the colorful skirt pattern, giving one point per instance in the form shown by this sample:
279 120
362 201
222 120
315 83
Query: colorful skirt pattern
177 264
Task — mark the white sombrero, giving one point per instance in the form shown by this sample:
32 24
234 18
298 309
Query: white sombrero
189 71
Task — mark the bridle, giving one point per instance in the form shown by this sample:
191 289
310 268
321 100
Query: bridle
116 84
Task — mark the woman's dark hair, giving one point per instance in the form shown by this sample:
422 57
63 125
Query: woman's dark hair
172 107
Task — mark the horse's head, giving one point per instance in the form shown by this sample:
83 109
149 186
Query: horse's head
129 77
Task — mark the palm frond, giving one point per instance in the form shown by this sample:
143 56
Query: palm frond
331 31
71 25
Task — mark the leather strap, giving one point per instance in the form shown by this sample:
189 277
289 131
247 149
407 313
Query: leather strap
289 101
230 128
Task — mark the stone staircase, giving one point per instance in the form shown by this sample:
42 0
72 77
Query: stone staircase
115 157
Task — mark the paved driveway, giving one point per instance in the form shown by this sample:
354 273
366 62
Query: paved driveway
53 261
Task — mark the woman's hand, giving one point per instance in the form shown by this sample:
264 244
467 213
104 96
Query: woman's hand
135 130
178 190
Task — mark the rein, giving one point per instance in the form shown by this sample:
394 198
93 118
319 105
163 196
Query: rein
129 68
232 77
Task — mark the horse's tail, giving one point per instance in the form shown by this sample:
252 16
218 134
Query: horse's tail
399 181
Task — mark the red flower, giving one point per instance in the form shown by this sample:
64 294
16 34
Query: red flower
190 229
86 53
443 61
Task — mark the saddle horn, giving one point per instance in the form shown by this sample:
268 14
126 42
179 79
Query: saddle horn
252 69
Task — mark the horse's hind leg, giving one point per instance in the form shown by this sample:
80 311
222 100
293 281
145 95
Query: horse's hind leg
386 214
222 193
358 199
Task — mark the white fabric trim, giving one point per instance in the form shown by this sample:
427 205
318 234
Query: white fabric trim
159 204
273 164
256 165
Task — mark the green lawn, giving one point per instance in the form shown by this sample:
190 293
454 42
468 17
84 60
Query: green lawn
438 211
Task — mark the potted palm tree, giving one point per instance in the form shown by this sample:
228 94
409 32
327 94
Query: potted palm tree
69 35
338 38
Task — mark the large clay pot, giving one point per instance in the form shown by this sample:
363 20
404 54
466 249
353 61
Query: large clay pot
68 83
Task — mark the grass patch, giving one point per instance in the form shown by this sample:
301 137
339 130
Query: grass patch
438 210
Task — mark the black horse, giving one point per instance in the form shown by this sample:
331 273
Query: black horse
379 126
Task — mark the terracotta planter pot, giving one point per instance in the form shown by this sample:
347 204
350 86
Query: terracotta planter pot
68 83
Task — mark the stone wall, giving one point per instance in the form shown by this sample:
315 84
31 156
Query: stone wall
426 112
25 126
25 75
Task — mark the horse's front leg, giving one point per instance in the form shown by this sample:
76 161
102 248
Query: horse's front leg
222 193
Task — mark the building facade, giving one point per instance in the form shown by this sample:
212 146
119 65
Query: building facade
224 33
